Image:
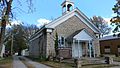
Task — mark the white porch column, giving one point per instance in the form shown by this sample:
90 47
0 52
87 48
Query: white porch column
73 49
78 49
90 55
66 8
80 52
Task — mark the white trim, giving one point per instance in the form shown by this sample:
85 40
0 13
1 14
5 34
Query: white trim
78 48
60 41
35 37
81 18
90 54
68 15
73 49
60 20
83 36
84 16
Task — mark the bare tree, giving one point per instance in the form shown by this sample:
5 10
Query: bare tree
6 15
30 30
101 24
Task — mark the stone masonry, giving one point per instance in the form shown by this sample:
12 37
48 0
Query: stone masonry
67 28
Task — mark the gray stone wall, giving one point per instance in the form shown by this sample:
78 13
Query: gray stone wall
65 52
65 29
33 48
70 26
50 51
97 47
42 45
37 46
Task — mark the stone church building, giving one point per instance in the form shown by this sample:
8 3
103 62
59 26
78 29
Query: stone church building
77 35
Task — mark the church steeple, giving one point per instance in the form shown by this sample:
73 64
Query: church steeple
67 6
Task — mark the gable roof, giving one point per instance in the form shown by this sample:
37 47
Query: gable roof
78 32
83 35
75 12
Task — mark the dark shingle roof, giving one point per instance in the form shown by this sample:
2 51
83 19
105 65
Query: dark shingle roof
109 37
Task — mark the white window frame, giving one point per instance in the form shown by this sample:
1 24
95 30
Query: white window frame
60 41
107 50
118 49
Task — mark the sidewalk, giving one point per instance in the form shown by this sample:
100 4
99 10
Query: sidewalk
17 63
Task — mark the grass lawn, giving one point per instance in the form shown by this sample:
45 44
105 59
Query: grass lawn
98 66
85 64
6 62
68 65
116 59
57 64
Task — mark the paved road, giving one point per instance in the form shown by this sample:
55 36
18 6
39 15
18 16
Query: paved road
35 64
17 63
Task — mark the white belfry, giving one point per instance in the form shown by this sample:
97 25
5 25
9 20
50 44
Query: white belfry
67 6
67 0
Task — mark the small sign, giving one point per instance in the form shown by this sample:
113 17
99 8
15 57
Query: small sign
49 30
107 50
119 50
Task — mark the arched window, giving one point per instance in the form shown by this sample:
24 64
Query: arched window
69 7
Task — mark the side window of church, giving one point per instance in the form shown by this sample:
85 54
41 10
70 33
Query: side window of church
61 41
107 49
118 48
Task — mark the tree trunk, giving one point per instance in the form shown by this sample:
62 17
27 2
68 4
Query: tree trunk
2 35
5 17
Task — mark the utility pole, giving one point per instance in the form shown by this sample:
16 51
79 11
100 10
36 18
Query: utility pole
12 45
